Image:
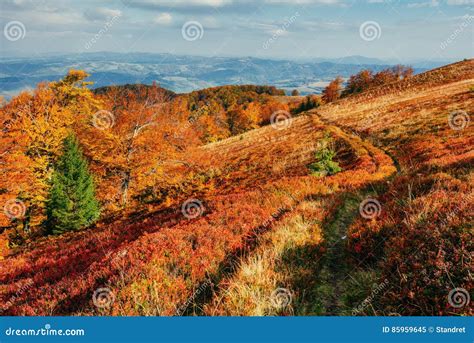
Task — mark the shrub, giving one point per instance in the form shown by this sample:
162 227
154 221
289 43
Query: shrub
324 164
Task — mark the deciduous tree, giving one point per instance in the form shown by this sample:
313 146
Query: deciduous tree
332 91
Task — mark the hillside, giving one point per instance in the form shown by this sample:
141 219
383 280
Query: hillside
261 236
432 191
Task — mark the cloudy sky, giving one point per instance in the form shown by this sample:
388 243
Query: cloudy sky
296 29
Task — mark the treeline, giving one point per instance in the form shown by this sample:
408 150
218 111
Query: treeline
139 89
221 112
309 102
364 80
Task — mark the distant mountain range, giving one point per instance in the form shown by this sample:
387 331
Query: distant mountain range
184 73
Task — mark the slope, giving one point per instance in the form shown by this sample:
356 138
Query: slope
258 203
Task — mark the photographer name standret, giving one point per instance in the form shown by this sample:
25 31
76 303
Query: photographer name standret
423 329
453 329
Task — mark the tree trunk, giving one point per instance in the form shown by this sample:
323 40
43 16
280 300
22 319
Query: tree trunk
125 187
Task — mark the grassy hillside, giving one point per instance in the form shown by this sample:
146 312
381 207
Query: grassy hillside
390 234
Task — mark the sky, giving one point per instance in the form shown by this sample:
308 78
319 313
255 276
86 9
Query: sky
282 29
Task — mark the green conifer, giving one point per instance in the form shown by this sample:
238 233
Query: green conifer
72 204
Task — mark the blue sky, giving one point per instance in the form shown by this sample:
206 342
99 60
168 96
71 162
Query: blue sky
298 29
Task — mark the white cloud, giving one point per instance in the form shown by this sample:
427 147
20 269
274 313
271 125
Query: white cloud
180 3
101 13
460 2
163 19
432 3
213 3
222 3
46 18
210 22
27 5
305 2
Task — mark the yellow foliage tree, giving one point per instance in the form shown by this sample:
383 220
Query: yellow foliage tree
35 126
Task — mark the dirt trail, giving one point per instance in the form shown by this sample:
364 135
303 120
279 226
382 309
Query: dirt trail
334 270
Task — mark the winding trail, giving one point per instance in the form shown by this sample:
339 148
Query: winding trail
334 269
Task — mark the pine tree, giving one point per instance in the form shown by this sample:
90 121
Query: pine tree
72 204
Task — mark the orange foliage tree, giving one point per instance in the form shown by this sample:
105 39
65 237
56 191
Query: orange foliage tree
128 141
366 78
332 91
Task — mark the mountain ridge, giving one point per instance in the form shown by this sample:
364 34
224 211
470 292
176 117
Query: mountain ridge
181 74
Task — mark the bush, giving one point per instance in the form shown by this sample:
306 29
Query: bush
324 164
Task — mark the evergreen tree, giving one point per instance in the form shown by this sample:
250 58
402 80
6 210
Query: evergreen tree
72 204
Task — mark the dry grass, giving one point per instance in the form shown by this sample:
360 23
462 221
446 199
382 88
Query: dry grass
248 293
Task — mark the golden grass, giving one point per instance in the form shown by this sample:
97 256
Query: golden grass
249 291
